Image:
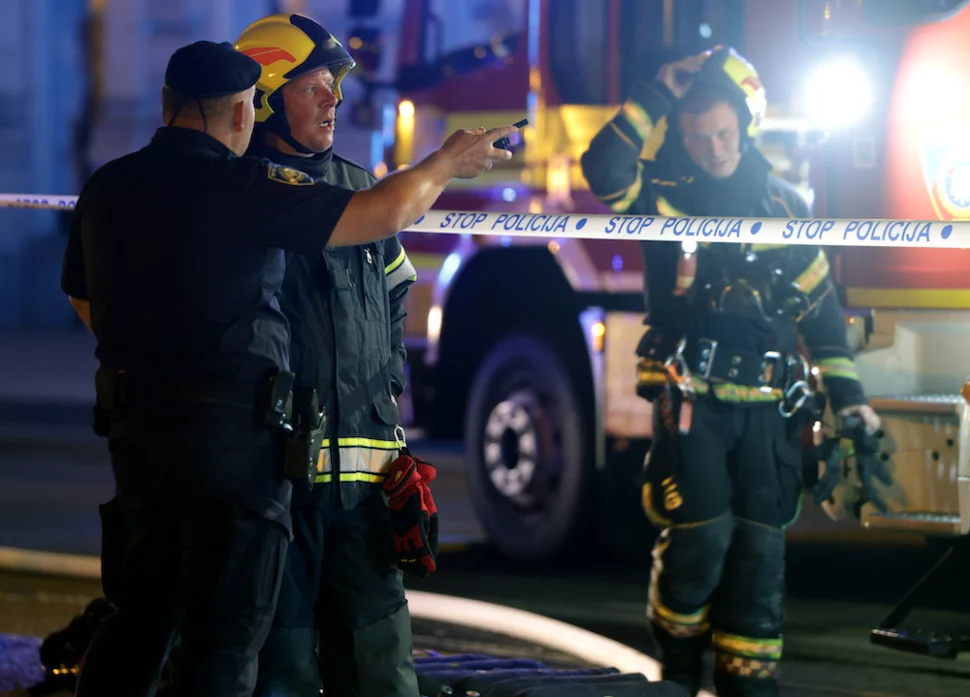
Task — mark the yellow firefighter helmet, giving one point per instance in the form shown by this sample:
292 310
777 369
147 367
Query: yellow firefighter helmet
287 46
725 68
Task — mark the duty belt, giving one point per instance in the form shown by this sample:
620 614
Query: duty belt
119 393
772 370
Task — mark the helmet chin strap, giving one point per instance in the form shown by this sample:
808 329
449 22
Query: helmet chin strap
278 124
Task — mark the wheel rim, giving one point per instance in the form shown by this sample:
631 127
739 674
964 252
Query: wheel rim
518 451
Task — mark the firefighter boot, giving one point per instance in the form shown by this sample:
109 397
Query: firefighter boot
686 571
682 657
747 613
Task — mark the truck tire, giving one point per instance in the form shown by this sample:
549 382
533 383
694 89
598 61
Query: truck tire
529 450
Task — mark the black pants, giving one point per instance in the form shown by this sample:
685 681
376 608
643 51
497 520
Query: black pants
194 543
342 613
722 494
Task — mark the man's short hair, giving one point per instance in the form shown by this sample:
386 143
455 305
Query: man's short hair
211 107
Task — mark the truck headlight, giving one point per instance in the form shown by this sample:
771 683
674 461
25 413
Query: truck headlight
838 93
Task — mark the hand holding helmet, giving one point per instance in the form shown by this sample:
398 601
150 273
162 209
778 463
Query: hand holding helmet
679 76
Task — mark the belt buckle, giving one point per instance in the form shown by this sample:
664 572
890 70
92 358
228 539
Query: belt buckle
771 364
708 348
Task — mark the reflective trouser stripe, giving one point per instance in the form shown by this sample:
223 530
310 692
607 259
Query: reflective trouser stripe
361 460
676 624
747 657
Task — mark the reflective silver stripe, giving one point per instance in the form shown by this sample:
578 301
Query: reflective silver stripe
356 458
400 271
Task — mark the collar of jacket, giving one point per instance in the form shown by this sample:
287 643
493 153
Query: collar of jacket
169 138
316 165
737 195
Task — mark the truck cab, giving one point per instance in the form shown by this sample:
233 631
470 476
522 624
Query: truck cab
889 89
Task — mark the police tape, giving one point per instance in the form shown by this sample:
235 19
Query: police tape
932 234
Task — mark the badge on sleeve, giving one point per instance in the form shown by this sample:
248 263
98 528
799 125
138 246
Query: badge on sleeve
289 175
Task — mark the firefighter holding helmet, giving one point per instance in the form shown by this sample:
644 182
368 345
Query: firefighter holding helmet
721 360
342 621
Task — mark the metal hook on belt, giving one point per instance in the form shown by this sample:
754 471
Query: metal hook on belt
400 438
680 373
806 392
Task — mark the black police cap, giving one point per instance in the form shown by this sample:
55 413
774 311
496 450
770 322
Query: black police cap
207 69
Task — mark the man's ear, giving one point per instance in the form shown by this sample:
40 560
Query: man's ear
238 116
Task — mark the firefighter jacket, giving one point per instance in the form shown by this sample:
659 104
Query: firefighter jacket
670 184
346 312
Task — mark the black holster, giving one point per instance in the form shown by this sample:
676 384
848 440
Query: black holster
306 440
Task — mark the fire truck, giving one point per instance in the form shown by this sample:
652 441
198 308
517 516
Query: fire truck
524 348
887 91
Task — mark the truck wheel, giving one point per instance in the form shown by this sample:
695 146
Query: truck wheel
529 450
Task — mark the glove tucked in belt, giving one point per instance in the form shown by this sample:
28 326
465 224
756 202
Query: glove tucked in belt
414 516
654 349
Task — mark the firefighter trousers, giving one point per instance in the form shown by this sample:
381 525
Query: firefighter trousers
722 494
193 547
342 622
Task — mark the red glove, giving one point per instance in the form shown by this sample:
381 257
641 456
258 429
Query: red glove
414 516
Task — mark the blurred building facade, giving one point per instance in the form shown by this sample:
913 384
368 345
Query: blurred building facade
81 84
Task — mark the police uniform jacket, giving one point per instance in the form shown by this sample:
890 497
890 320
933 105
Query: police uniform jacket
178 248
346 311
669 184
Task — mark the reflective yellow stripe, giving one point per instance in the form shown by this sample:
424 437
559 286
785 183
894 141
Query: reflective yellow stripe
785 205
399 271
364 443
748 657
358 463
837 368
646 499
397 262
665 209
729 392
671 616
350 478
620 200
748 647
632 192
638 118
624 136
812 277
674 623
766 247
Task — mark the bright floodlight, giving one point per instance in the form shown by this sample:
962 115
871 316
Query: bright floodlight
838 93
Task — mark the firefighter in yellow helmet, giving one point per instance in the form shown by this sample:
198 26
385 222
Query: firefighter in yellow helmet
722 364
342 622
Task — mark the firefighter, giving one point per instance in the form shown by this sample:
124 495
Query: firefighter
720 361
346 312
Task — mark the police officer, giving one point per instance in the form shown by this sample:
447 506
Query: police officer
723 476
175 261
339 576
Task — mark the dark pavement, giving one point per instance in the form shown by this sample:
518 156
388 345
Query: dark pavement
53 473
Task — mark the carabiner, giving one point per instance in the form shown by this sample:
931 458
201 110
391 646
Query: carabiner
806 391
681 379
